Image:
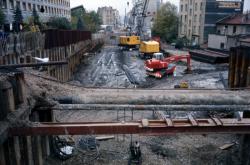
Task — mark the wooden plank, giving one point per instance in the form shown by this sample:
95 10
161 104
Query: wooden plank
217 121
169 122
145 123
227 146
192 120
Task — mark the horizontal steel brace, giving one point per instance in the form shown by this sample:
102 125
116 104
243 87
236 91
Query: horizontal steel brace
144 127
33 64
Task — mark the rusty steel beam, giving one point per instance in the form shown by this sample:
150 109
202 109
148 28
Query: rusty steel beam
122 107
144 127
33 64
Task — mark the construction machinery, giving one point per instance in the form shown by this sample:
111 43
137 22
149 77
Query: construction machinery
148 48
159 66
128 42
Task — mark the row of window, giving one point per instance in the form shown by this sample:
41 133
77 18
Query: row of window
195 30
183 18
63 3
46 9
195 7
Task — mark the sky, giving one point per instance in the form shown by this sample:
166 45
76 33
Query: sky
120 4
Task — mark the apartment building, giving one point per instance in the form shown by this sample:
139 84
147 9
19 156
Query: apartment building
230 32
109 16
197 18
45 8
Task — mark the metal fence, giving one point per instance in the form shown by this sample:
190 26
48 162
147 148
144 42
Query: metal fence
239 67
60 38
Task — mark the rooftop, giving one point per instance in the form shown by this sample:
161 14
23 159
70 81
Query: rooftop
236 19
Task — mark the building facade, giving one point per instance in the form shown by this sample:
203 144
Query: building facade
109 16
45 8
197 18
230 31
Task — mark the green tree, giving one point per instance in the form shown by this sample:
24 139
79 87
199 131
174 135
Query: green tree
2 18
166 23
18 19
36 17
59 23
80 24
91 20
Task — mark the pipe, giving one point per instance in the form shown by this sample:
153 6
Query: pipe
122 107
157 97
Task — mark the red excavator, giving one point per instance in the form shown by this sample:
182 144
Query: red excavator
159 66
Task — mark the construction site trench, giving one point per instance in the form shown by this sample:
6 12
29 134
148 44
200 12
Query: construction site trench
113 68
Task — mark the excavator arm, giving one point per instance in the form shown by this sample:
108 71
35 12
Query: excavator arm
176 58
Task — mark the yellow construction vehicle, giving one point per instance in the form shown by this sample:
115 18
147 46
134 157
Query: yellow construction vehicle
182 85
148 48
129 42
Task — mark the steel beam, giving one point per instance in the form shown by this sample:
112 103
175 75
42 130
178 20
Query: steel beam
122 107
154 127
33 64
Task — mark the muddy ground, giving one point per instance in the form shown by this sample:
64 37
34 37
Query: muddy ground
112 68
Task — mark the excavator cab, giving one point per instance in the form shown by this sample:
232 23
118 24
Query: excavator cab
158 56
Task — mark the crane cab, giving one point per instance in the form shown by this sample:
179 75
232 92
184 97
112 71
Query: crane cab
129 41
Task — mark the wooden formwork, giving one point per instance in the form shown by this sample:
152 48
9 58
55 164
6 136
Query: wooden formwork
239 62
14 107
56 45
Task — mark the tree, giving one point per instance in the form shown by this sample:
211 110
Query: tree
91 20
59 23
2 18
18 19
166 23
80 24
36 17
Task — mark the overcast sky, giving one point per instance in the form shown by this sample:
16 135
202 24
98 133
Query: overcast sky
120 4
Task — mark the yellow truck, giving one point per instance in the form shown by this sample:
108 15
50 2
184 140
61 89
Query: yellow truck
128 42
148 48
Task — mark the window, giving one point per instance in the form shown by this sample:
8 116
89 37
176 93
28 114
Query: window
128 39
4 4
186 7
222 45
18 4
190 12
248 29
191 1
29 7
185 18
24 6
194 29
11 4
195 18
234 29
201 6
195 7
